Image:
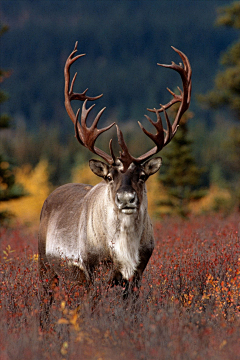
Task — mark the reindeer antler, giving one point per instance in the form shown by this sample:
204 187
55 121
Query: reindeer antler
88 135
163 137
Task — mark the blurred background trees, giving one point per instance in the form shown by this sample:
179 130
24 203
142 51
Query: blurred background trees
123 43
4 74
9 188
226 91
226 94
181 175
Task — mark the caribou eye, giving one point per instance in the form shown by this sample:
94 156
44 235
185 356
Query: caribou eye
142 177
109 177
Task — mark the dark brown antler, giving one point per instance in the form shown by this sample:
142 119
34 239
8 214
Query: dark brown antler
86 136
163 137
185 72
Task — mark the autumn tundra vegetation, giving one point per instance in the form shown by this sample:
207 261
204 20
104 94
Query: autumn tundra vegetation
188 306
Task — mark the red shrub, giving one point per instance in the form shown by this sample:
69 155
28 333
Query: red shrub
188 307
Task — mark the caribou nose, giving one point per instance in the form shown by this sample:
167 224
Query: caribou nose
126 201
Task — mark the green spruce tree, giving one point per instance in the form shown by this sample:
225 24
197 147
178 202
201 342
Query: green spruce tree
180 174
226 91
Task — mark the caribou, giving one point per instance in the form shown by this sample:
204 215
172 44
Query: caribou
84 225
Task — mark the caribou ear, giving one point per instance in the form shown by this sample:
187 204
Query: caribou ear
152 166
99 168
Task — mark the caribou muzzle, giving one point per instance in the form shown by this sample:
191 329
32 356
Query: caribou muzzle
127 201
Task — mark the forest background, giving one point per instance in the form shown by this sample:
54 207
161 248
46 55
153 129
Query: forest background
123 40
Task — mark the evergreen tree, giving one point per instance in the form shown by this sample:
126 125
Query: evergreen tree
8 188
226 91
181 176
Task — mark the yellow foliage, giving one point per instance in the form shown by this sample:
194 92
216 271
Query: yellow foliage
7 253
155 194
216 199
83 174
35 182
152 194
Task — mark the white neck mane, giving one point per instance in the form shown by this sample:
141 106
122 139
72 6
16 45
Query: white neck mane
122 233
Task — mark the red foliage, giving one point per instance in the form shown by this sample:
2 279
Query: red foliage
19 239
198 261
188 307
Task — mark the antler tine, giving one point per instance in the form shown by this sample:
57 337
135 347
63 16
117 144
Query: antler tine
85 112
86 136
76 96
77 129
111 151
68 92
158 138
185 72
125 157
184 98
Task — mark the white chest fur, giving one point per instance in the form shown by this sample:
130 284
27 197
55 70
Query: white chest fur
124 242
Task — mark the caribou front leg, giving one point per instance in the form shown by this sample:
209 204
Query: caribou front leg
133 287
